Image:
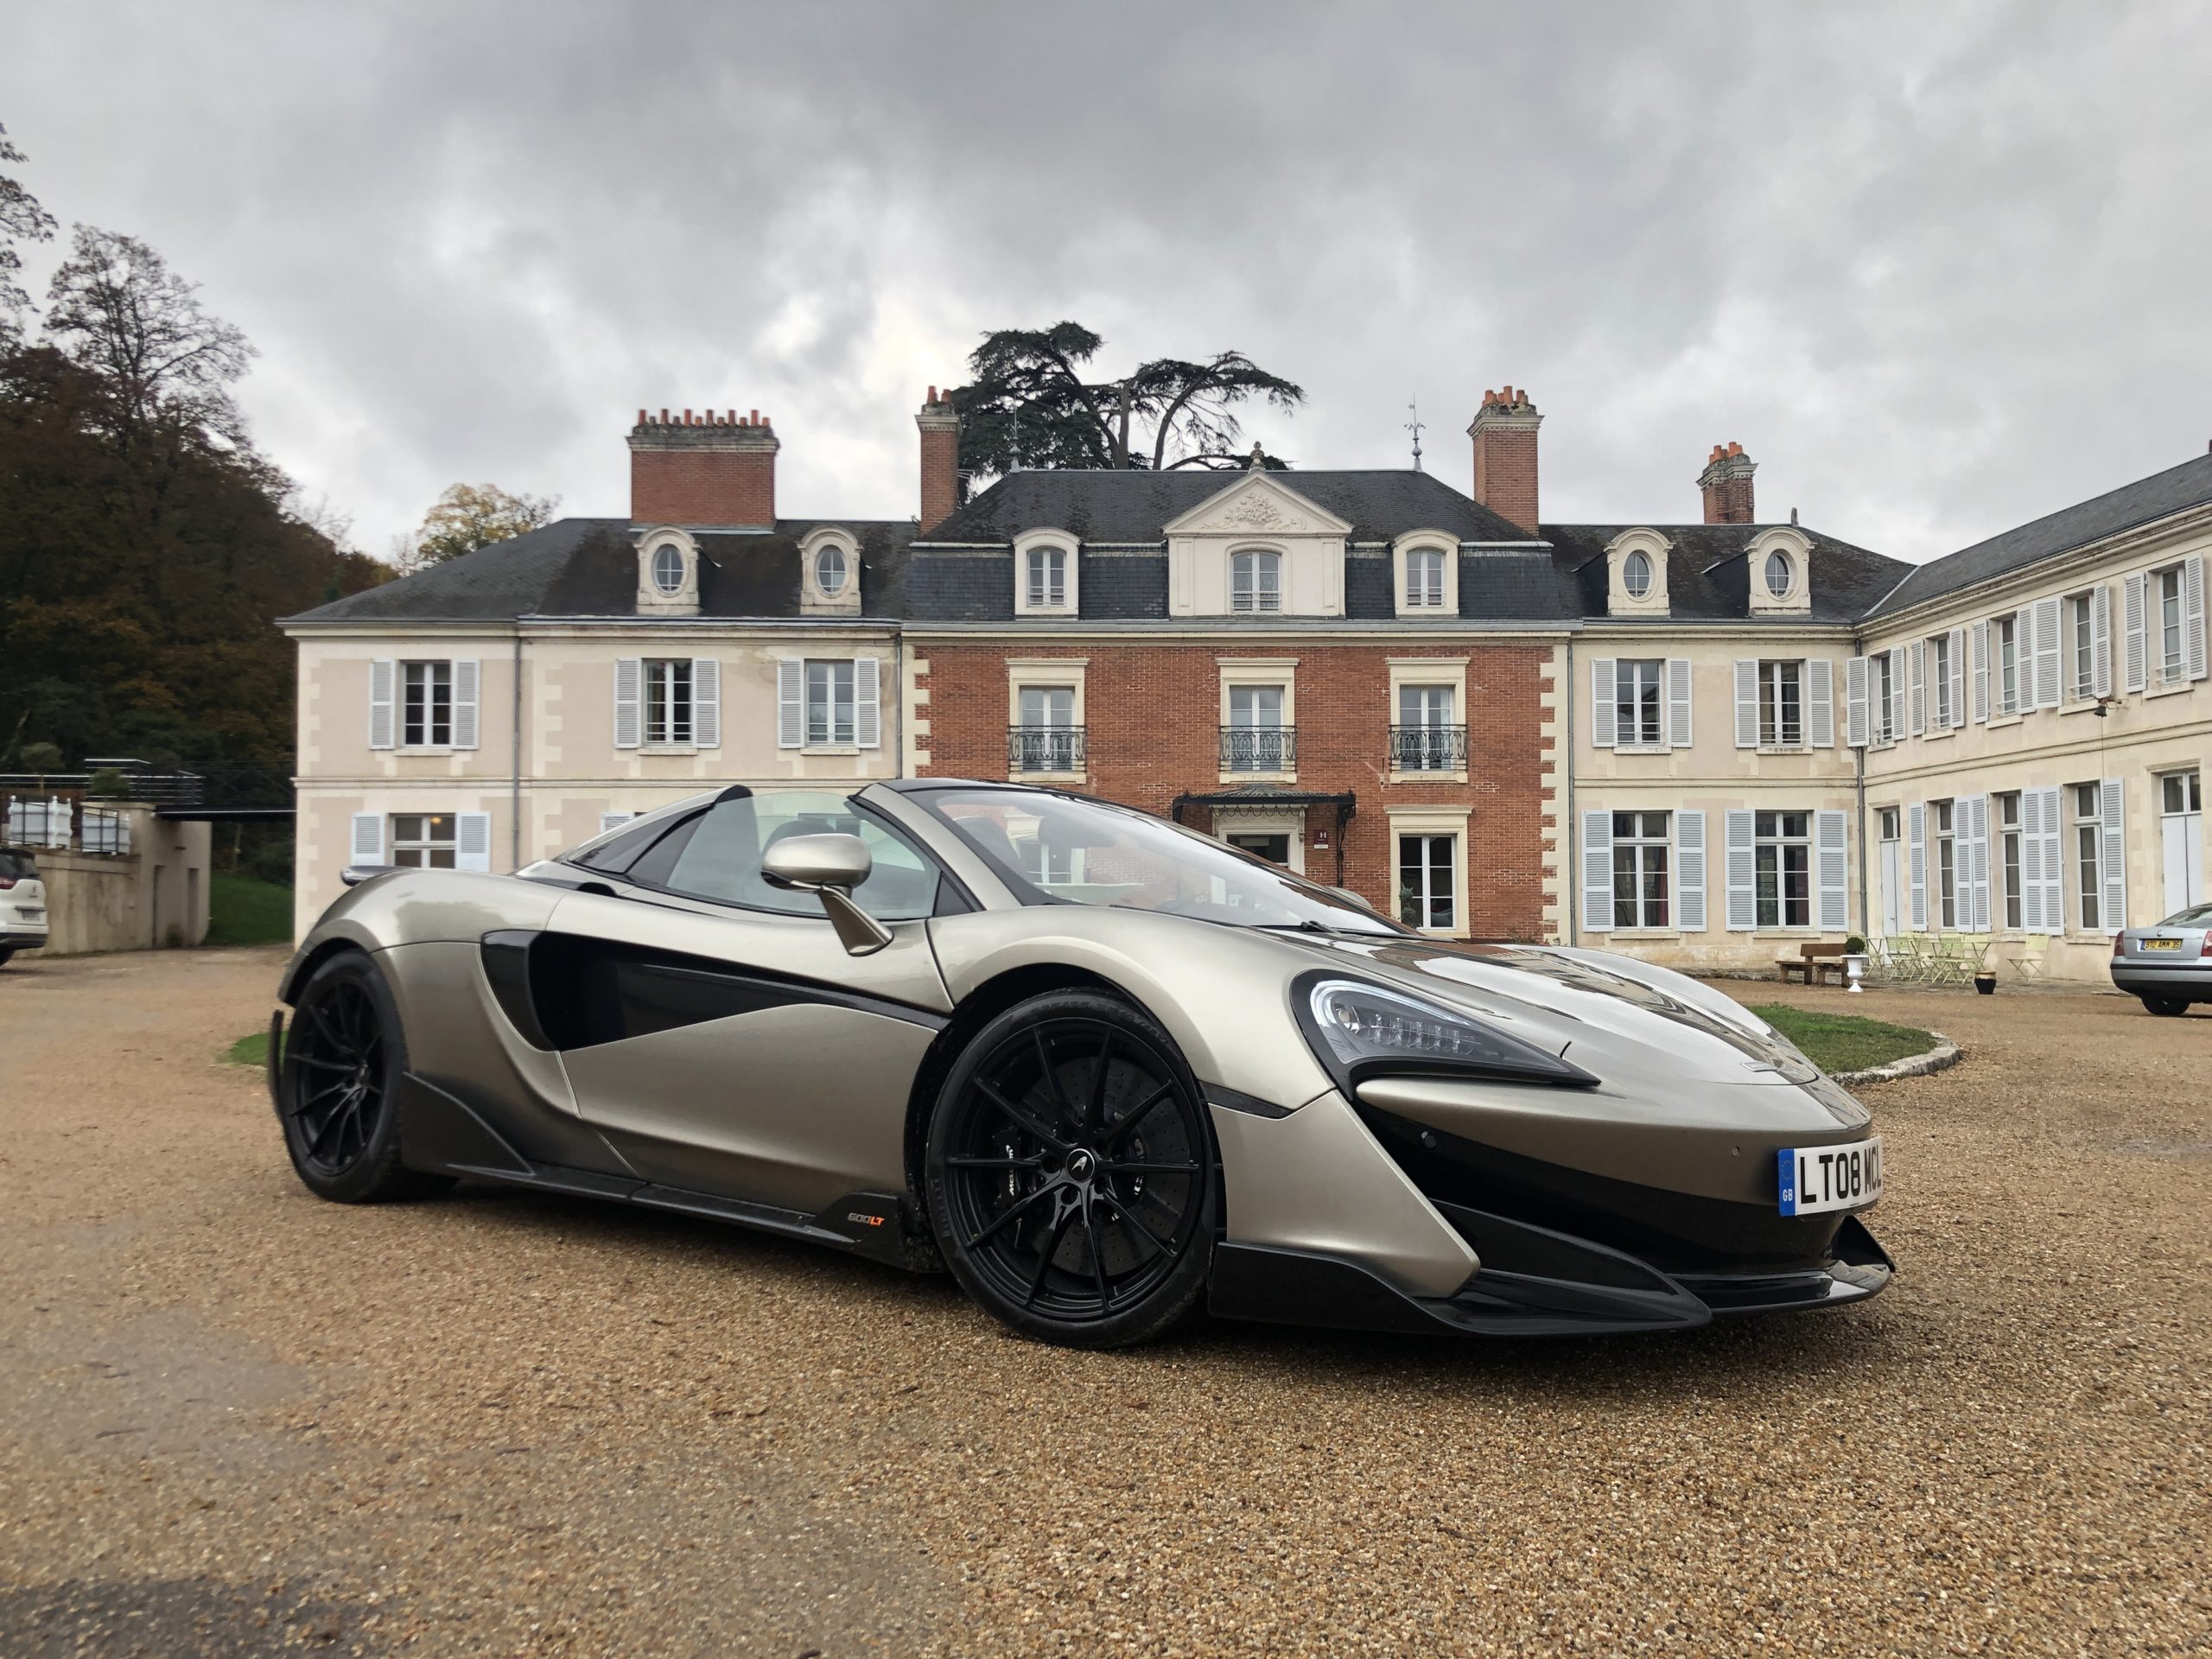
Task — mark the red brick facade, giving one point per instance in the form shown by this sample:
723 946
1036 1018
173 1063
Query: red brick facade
720 470
1153 714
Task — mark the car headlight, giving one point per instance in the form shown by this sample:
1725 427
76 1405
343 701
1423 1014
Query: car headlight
1358 1030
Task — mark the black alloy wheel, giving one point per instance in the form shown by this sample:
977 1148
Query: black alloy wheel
1070 1172
339 1083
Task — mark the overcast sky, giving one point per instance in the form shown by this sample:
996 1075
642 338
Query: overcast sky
1938 268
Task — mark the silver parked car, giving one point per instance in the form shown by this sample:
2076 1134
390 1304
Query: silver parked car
1100 1067
2169 966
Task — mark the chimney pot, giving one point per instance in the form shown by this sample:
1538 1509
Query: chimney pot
940 432
701 467
1726 483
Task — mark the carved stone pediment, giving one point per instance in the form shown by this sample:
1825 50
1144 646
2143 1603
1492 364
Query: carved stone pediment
1257 504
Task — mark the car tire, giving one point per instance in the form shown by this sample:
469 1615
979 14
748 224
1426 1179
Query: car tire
1070 1173
2166 1007
338 1087
4 955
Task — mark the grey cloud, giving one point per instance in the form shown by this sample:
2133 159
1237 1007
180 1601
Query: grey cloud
1937 268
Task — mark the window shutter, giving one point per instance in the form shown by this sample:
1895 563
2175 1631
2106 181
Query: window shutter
383 675
466 677
1690 871
1832 870
1743 871
1601 702
2100 640
1747 702
1956 693
867 726
1820 703
1916 832
1974 866
2112 854
629 686
1854 699
368 839
2135 600
1898 678
1597 871
707 702
614 820
2046 611
471 841
2032 860
1917 675
790 705
1981 673
2192 614
2053 873
1678 702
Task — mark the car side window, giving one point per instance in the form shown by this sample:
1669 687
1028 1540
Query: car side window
716 856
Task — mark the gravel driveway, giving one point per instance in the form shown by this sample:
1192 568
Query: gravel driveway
235 1421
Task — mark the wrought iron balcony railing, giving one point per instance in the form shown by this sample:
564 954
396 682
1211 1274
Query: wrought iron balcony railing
1428 748
1046 748
1259 748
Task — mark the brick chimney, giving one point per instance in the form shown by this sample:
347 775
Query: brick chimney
940 460
1726 481
1504 432
707 469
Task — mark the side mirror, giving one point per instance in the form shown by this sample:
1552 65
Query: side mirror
830 866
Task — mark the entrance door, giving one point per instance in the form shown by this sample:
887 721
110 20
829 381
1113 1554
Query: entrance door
716 1029
1274 848
2182 824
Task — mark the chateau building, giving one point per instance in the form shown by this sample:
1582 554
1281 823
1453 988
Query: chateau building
1708 742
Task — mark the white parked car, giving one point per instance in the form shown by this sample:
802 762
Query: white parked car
23 903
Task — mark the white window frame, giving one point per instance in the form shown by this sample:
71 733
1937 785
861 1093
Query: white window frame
1645 849
430 668
824 677
1420 595
424 846
1779 841
2005 688
1451 822
2012 861
1628 668
1247 595
1047 574
2088 839
1775 674
668 682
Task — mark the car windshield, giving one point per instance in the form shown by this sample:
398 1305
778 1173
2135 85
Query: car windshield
18 867
1056 850
2194 916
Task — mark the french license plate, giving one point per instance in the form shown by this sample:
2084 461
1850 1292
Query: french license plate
31 913
1814 1178
2160 944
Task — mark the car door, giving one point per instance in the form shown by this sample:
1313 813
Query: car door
716 1032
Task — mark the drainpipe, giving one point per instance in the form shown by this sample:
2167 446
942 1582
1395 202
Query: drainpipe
898 702
514 798
1858 767
1566 749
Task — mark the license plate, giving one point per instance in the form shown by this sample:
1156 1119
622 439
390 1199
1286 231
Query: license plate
31 913
2158 944
1814 1178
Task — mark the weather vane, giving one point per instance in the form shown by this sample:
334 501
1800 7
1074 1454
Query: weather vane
1414 426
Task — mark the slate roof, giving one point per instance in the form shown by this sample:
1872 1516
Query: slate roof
1709 578
588 567
1132 506
2147 499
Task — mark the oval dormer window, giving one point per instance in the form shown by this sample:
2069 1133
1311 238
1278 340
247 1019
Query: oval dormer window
668 568
1635 575
1778 574
829 571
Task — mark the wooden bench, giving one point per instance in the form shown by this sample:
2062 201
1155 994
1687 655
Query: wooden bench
1813 963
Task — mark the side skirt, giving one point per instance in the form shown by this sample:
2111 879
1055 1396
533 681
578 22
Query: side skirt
444 1136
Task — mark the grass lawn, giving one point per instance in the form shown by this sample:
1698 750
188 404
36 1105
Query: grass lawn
1844 1042
249 1051
242 910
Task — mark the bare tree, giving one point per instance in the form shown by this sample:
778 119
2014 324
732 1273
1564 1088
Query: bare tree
22 218
119 313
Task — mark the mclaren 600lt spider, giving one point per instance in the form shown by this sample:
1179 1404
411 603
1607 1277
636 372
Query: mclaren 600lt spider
1100 1068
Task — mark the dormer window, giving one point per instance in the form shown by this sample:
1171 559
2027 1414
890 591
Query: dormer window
1256 581
829 570
1425 578
1046 578
668 572
1778 568
1635 575
1779 575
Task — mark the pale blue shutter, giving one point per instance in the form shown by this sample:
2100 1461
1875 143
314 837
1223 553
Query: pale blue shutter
867 725
1602 691
1739 853
1747 702
468 677
707 702
471 841
790 705
1598 871
1690 871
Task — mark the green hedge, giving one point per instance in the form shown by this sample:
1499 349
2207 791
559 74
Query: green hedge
242 910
